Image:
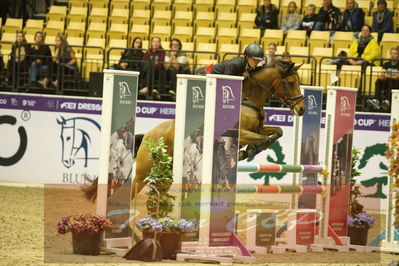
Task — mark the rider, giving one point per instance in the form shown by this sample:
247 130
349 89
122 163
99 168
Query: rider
128 138
238 66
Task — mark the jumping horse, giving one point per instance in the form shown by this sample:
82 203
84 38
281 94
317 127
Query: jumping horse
278 79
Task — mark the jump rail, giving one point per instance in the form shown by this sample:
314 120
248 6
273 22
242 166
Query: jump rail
280 168
277 189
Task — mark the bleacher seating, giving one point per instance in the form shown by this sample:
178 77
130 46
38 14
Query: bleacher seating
215 26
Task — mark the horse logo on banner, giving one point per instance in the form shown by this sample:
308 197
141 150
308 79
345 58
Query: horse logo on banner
197 94
228 95
75 139
124 90
312 103
345 104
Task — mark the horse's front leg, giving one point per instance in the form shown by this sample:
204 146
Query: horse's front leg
258 142
272 133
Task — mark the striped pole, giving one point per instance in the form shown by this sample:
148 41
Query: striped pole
279 189
280 168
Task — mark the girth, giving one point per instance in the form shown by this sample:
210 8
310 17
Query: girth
261 116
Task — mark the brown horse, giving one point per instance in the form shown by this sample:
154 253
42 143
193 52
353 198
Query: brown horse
279 79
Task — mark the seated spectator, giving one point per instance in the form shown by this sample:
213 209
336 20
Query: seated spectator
176 59
63 62
40 59
271 52
155 57
266 16
131 58
353 18
309 20
292 20
177 62
328 18
382 19
366 49
387 81
19 58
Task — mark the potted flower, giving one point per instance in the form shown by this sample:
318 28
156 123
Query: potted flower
359 222
160 203
86 232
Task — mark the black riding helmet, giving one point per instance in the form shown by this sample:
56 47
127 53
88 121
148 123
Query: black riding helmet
255 51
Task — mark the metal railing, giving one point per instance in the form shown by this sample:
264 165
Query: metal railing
92 59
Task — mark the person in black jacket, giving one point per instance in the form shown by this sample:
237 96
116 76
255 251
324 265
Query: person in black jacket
328 18
382 19
353 18
19 57
132 58
266 16
309 20
39 59
238 66
387 81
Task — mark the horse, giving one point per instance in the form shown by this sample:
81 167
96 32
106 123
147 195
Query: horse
279 79
76 139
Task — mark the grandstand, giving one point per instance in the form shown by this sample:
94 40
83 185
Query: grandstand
210 30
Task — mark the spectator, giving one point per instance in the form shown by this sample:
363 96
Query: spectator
64 60
40 59
309 20
292 20
286 56
266 16
353 18
328 17
387 81
176 62
382 19
366 49
176 59
155 57
271 52
238 66
19 57
131 58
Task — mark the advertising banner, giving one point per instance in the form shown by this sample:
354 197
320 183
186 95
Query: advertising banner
341 160
44 145
192 149
310 139
49 139
120 91
224 170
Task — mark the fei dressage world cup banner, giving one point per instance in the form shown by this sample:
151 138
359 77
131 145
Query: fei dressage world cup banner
49 139
44 162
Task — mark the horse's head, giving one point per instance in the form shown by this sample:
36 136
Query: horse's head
67 139
287 88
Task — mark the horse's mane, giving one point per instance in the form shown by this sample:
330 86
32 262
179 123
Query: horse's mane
285 68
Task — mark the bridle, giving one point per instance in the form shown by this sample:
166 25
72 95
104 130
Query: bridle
291 102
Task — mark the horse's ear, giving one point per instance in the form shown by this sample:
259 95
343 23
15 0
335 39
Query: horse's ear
62 121
297 67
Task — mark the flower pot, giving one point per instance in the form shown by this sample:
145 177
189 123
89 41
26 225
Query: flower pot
170 243
358 236
86 243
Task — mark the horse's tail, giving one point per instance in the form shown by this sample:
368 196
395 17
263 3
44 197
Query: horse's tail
90 191
137 142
